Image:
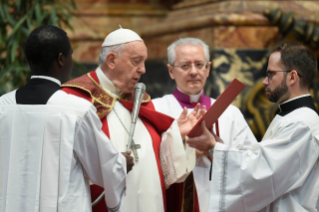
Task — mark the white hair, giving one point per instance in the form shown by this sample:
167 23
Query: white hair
117 49
182 42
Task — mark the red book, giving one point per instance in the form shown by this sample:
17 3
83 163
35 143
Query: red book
219 106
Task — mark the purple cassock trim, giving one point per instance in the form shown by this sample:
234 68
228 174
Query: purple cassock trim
184 100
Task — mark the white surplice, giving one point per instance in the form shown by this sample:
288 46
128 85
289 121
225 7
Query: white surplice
279 174
49 153
233 129
144 192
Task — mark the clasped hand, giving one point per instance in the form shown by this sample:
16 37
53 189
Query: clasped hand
129 160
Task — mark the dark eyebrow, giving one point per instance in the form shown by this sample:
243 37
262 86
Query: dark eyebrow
271 71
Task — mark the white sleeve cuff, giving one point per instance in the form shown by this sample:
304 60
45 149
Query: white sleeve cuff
220 146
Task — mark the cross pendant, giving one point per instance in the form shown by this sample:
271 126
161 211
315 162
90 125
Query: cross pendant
134 148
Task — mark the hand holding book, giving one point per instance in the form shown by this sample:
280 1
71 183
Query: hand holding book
219 106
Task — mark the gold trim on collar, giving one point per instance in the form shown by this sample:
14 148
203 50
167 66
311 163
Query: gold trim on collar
101 99
99 86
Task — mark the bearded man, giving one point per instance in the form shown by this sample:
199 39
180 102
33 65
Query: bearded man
158 140
281 173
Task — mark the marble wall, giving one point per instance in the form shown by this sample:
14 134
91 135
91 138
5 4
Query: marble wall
220 23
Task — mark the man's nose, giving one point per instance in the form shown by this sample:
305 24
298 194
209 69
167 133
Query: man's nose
193 69
142 69
266 81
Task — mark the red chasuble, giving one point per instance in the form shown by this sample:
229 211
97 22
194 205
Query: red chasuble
88 87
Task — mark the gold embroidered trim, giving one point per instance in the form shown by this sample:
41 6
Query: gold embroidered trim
108 97
129 97
101 99
75 86
99 86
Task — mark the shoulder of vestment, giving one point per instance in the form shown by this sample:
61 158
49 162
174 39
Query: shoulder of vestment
88 87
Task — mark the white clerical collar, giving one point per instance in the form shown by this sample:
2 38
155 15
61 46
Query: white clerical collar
107 84
297 97
193 98
47 78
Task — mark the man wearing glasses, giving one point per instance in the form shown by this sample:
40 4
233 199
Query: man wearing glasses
281 173
189 66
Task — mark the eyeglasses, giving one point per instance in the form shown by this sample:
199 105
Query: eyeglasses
187 66
269 73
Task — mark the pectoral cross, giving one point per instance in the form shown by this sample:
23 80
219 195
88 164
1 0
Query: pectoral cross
134 148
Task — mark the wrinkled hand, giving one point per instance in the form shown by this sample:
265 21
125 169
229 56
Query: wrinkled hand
186 122
129 160
204 142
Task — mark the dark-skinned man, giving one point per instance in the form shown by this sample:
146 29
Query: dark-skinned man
51 142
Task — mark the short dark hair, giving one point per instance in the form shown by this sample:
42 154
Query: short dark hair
43 46
295 56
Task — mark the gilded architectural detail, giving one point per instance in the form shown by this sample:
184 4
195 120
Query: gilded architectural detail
261 109
228 64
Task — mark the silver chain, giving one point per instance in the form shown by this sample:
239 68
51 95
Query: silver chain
120 120
134 146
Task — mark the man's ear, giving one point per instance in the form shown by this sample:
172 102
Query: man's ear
170 71
111 60
294 78
60 60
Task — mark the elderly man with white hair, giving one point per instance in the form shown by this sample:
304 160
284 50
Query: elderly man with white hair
189 65
158 140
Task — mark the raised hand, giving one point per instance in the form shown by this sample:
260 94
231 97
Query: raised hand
187 122
196 114
129 160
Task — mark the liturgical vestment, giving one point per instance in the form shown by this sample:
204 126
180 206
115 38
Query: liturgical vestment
49 152
279 174
163 158
232 127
